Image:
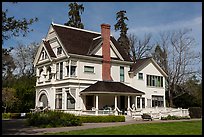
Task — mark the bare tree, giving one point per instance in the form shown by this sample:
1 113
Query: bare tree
24 57
140 48
181 58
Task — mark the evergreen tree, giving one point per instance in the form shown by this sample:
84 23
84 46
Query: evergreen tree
122 26
74 15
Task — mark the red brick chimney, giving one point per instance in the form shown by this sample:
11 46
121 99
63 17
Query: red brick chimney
105 33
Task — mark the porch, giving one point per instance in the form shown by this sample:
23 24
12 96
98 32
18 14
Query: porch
112 98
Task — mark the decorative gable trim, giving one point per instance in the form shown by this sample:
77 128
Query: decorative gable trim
41 47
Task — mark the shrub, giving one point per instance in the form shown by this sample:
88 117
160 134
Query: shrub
195 112
11 115
98 119
169 117
53 119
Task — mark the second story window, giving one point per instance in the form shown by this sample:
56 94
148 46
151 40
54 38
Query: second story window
140 76
89 69
71 69
61 70
122 77
154 81
59 50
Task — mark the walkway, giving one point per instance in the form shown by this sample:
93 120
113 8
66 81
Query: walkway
18 126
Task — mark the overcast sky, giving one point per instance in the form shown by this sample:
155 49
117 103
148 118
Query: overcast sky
144 17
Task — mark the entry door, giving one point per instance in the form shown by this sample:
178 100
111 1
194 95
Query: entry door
122 104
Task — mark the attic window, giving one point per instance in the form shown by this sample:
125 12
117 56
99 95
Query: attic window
59 50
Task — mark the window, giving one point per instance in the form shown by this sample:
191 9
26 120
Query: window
138 102
61 70
155 81
122 74
73 71
157 101
57 70
58 98
140 76
59 50
143 102
70 99
49 73
89 69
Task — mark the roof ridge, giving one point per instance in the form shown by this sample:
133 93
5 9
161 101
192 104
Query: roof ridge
69 27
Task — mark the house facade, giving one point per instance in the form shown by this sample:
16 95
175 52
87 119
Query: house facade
85 72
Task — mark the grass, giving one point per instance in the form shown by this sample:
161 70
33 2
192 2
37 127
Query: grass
170 128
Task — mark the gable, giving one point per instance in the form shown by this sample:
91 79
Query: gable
149 65
51 33
112 53
42 55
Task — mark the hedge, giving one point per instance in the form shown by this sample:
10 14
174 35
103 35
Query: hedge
195 112
98 119
53 119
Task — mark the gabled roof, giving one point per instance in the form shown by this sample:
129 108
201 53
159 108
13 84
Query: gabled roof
81 42
110 87
143 62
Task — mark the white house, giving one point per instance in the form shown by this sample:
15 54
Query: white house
85 72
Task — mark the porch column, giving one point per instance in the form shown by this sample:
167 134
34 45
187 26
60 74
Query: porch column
128 102
116 104
96 104
140 102
128 109
135 102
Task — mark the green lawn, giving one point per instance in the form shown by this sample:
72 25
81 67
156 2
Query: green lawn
171 128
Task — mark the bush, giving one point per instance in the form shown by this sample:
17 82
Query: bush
195 112
169 117
11 115
53 119
98 119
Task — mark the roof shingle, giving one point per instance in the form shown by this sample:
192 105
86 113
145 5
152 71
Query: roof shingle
111 87
81 42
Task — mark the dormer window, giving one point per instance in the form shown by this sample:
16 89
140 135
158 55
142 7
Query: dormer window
59 50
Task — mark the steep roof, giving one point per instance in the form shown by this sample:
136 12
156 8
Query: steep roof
139 62
81 42
110 87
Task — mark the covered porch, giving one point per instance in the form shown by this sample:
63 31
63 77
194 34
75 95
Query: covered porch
110 98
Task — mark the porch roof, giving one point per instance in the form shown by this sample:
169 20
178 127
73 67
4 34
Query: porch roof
110 87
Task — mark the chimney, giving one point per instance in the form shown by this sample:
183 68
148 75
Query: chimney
105 33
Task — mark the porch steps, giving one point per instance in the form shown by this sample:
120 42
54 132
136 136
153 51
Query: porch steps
128 118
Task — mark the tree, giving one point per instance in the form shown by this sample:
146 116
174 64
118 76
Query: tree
13 27
24 56
8 66
139 48
181 59
25 92
74 15
8 98
160 56
122 26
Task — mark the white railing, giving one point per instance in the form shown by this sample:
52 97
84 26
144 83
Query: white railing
159 112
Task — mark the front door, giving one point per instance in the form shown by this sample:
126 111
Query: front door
122 104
